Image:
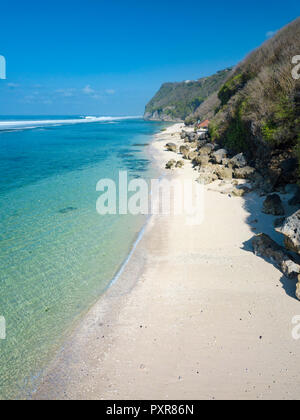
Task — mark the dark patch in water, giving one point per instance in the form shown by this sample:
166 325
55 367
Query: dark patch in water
126 155
67 210
140 144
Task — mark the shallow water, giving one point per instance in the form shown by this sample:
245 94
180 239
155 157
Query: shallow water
57 253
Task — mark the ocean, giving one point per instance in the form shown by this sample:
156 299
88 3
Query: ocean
57 254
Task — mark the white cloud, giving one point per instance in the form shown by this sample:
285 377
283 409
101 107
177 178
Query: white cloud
269 34
110 91
96 96
88 90
12 85
69 92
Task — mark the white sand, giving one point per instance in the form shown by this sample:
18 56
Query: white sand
195 315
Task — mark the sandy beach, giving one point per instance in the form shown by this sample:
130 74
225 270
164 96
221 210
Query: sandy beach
194 315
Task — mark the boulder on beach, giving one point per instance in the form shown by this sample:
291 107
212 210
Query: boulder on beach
202 136
201 143
179 164
238 161
193 145
201 160
247 172
206 149
170 164
207 175
240 191
192 155
273 205
219 155
171 147
223 172
184 150
265 247
290 228
192 136
183 134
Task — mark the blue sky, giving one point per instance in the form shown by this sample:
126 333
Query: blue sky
110 57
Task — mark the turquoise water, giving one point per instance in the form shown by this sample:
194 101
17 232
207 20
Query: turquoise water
57 254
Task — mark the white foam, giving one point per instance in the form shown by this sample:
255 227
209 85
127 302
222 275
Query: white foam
18 124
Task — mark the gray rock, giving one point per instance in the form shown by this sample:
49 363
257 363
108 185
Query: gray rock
291 231
225 162
238 161
192 136
184 150
207 177
219 155
202 160
192 155
179 164
202 136
273 205
207 174
171 147
240 191
206 149
170 164
202 143
183 134
223 172
265 247
244 173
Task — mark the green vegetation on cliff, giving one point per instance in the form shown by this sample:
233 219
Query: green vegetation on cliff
259 103
258 107
175 101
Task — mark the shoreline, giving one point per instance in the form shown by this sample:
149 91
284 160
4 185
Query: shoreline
150 337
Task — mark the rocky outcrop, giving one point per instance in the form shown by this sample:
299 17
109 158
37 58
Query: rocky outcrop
192 155
244 173
175 101
240 191
219 155
184 150
265 247
206 149
201 160
170 164
273 205
179 164
223 172
171 147
238 161
290 228
207 175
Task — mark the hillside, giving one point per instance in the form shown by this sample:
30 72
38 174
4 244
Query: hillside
258 108
175 101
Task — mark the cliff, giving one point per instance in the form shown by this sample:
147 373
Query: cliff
175 101
259 107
